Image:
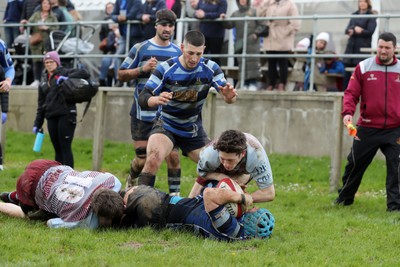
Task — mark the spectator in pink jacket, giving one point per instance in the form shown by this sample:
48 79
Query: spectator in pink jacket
280 39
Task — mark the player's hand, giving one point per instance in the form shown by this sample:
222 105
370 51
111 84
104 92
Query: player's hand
248 203
164 98
228 92
347 119
5 86
150 65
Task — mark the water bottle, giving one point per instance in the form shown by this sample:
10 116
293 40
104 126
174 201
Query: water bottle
38 141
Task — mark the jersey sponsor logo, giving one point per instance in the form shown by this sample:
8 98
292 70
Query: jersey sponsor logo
261 169
372 77
186 96
69 193
263 179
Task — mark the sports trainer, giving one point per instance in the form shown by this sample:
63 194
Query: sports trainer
137 66
239 156
375 83
64 197
204 215
179 87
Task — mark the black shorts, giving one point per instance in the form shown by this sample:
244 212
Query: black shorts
185 144
140 130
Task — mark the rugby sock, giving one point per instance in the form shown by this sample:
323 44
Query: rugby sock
147 179
133 177
174 181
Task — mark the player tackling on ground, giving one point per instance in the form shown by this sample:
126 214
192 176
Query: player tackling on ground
239 156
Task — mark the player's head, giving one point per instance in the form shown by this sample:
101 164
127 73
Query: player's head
231 147
258 224
165 24
192 49
145 206
386 47
107 205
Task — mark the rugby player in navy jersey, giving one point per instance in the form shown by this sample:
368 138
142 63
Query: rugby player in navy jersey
137 67
179 88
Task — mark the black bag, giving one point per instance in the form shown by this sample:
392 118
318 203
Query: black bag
78 90
262 30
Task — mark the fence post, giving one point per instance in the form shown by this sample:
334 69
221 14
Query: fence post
98 133
336 157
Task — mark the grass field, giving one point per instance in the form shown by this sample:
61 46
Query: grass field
309 230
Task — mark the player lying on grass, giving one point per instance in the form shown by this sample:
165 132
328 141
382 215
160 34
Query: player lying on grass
241 157
205 214
63 197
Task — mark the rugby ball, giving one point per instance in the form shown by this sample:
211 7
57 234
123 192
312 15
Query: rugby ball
234 209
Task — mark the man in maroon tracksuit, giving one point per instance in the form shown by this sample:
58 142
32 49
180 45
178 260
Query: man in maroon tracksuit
376 84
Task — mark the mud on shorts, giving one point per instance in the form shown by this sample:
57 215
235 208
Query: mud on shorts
140 130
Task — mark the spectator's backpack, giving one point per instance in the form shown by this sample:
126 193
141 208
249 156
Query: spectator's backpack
78 90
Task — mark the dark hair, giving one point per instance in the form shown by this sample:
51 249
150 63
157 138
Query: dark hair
388 37
107 203
62 2
165 16
231 141
195 38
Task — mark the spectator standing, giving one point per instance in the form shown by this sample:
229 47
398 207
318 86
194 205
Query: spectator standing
105 29
360 31
60 115
42 17
12 15
280 39
214 32
59 14
148 16
62 5
125 10
252 66
137 67
179 87
375 85
109 65
175 6
7 73
27 11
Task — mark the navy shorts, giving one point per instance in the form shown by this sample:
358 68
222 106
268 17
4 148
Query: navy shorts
140 130
185 144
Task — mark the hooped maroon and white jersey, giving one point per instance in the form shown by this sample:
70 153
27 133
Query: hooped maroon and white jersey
68 193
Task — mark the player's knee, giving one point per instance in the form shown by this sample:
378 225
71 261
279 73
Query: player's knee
140 152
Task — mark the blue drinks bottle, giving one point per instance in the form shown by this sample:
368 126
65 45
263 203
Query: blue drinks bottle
38 141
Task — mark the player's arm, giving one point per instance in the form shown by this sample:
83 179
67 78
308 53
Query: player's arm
215 197
11 210
127 75
264 195
148 100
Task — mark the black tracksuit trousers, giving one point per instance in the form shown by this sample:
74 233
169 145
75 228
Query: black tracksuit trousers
362 152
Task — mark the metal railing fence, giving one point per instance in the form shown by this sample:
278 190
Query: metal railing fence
182 25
